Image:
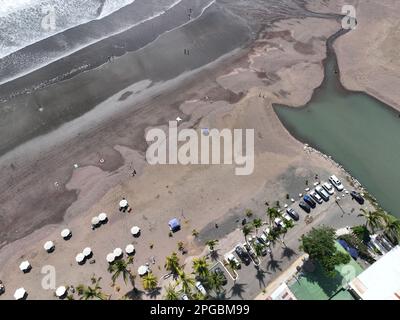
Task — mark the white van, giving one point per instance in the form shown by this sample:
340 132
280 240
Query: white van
336 183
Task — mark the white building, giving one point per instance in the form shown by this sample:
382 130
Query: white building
381 281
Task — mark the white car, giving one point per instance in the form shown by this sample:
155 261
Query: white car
336 183
279 223
322 192
231 257
267 231
200 287
328 187
264 239
316 196
287 217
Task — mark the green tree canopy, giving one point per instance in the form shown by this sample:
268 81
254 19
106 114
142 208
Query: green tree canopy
319 244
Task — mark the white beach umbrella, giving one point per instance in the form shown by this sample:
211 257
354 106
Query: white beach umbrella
102 217
65 233
19 294
129 249
142 270
110 257
123 203
87 251
80 257
25 265
61 291
48 245
95 221
135 230
117 252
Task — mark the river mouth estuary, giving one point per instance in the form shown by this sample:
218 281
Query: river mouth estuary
360 132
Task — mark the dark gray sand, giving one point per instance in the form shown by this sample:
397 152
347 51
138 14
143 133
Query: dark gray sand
34 174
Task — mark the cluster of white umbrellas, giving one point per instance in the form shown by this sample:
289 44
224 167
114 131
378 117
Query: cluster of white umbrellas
80 257
101 218
117 253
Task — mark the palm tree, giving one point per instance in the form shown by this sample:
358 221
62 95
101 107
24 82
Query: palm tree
257 223
186 281
392 227
373 219
272 214
211 244
121 267
216 282
247 229
200 267
258 248
170 293
172 263
91 292
149 281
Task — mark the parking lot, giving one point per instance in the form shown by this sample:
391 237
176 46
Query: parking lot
338 212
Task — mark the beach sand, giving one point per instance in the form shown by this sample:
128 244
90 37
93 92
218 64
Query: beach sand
283 66
368 55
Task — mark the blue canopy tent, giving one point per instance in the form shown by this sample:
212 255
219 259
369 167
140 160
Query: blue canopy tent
174 225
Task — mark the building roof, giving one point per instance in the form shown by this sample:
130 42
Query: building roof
381 281
282 293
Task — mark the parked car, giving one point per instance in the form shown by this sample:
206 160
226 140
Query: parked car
200 287
305 206
230 257
293 214
322 192
260 243
356 196
328 187
2 288
243 255
184 297
267 231
287 217
316 196
250 251
264 239
307 199
279 223
219 271
336 183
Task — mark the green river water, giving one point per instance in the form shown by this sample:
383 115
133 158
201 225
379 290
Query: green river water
358 131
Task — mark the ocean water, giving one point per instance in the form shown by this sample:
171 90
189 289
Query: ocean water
23 22
358 131
66 25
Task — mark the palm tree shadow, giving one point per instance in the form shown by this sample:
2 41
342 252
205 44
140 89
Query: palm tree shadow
260 277
237 290
288 253
214 255
273 264
135 294
220 296
154 293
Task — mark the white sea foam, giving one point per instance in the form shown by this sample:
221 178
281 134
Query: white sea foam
20 20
